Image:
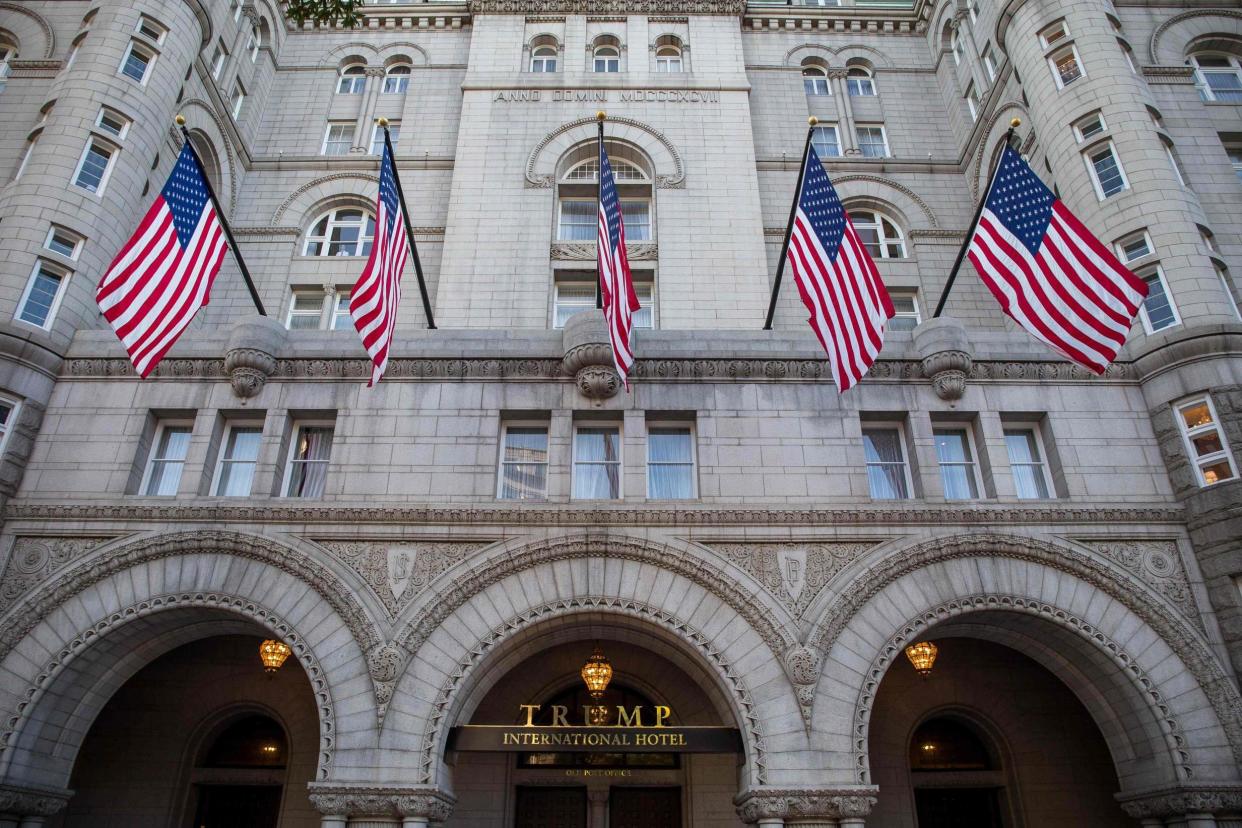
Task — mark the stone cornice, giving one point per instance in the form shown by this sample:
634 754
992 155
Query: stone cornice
282 511
1187 798
36 802
731 8
833 19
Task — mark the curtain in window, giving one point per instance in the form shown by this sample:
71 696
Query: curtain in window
598 462
524 473
1028 468
168 461
309 470
240 455
957 468
670 464
886 467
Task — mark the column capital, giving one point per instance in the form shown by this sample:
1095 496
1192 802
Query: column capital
801 803
22 800
398 801
1180 800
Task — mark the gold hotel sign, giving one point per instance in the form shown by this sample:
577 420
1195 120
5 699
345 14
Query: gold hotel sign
636 730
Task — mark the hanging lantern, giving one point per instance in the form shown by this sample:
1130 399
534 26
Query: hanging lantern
922 655
273 654
597 672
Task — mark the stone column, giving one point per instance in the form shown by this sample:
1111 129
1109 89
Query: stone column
807 807
237 48
845 115
1191 805
28 807
599 808
373 806
334 821
365 124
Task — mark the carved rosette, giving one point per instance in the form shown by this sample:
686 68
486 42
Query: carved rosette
384 664
588 355
803 666
34 802
248 370
345 801
802 803
1182 801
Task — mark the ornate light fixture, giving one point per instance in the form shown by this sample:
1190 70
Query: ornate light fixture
597 672
273 654
922 655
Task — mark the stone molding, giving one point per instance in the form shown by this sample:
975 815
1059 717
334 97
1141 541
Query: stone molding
890 184
21 800
589 251
248 370
238 606
756 752
731 8
34 558
1153 45
542 181
279 510
1182 800
806 803
820 562
918 626
535 368
343 800
1156 563
49 36
279 214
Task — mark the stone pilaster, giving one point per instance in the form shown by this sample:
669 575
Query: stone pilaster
807 807
22 805
415 806
1193 805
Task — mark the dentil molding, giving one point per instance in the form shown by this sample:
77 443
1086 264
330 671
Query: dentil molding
733 8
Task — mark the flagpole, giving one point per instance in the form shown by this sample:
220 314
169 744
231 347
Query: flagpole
961 254
793 214
600 116
409 231
224 222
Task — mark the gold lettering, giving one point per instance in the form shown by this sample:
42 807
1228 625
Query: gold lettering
626 718
662 713
558 715
530 714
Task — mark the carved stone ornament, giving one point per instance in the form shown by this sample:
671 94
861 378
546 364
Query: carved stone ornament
732 8
384 663
803 666
588 355
251 356
1183 800
348 801
35 802
1156 563
588 252
34 559
946 356
804 803
794 572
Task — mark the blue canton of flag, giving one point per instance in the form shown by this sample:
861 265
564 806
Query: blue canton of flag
185 193
1021 202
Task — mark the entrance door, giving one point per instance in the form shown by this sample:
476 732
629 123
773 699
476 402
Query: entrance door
238 806
644 807
957 807
551 807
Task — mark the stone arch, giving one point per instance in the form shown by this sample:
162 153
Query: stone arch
1169 42
213 129
32 32
541 165
334 58
404 51
860 53
989 148
1101 632
890 196
305 199
77 639
794 57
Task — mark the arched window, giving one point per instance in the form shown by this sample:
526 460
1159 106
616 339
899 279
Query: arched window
880 234
577 184
668 56
207 154
250 753
256 40
346 231
815 79
397 79
8 52
957 775
543 59
1218 76
955 45
352 81
607 54
860 82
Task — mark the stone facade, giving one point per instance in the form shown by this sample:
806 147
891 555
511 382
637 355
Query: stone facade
778 595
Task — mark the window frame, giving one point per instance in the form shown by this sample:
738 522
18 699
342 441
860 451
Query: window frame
152 459
291 307
988 58
501 463
620 461
237 99
888 152
10 422
1077 126
327 138
393 77
974 462
78 241
1088 154
669 425
161 31
149 52
218 58
377 137
115 115
664 63
855 82
295 431
883 240
1148 328
815 75
221 459
1120 246
1222 272
1070 49
113 152
31 140
642 286
54 307
902 293
1042 446
1205 88
1188 435
1048 43
888 425
607 59
836 139
340 297
326 240
973 101
255 42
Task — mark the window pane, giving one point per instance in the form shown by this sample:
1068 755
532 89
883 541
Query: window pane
1217 472
93 168
952 447
241 451
526 445
957 470
572 298
597 472
637 218
135 66
1022 446
168 460
598 445
1196 415
38 306
524 481
578 221
309 468
669 445
1157 306
1207 443
1108 172
1067 68
886 468
670 481
826 143
61 244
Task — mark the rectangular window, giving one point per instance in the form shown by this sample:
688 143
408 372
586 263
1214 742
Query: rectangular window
308 460
579 220
377 137
523 463
572 297
906 304
888 474
341 320
217 60
7 409
240 456
94 167
826 142
1053 33
1066 67
150 29
597 463
1224 285
305 310
954 451
21 167
237 99
1174 162
1135 247
111 121
62 241
1205 442
172 442
136 64
872 141
42 295
637 217
1105 170
1158 311
1089 127
338 138
1234 151
972 101
989 62
1026 459
670 463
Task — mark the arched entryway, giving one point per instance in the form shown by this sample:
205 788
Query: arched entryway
204 737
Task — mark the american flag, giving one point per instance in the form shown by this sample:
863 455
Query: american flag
1049 273
163 274
373 303
616 283
836 278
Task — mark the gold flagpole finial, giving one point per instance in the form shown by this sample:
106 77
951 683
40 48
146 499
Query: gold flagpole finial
813 121
382 122
601 115
180 120
1015 123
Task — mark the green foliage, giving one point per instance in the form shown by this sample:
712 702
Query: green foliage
324 12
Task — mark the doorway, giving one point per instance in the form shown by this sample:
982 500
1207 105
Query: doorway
540 807
644 807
